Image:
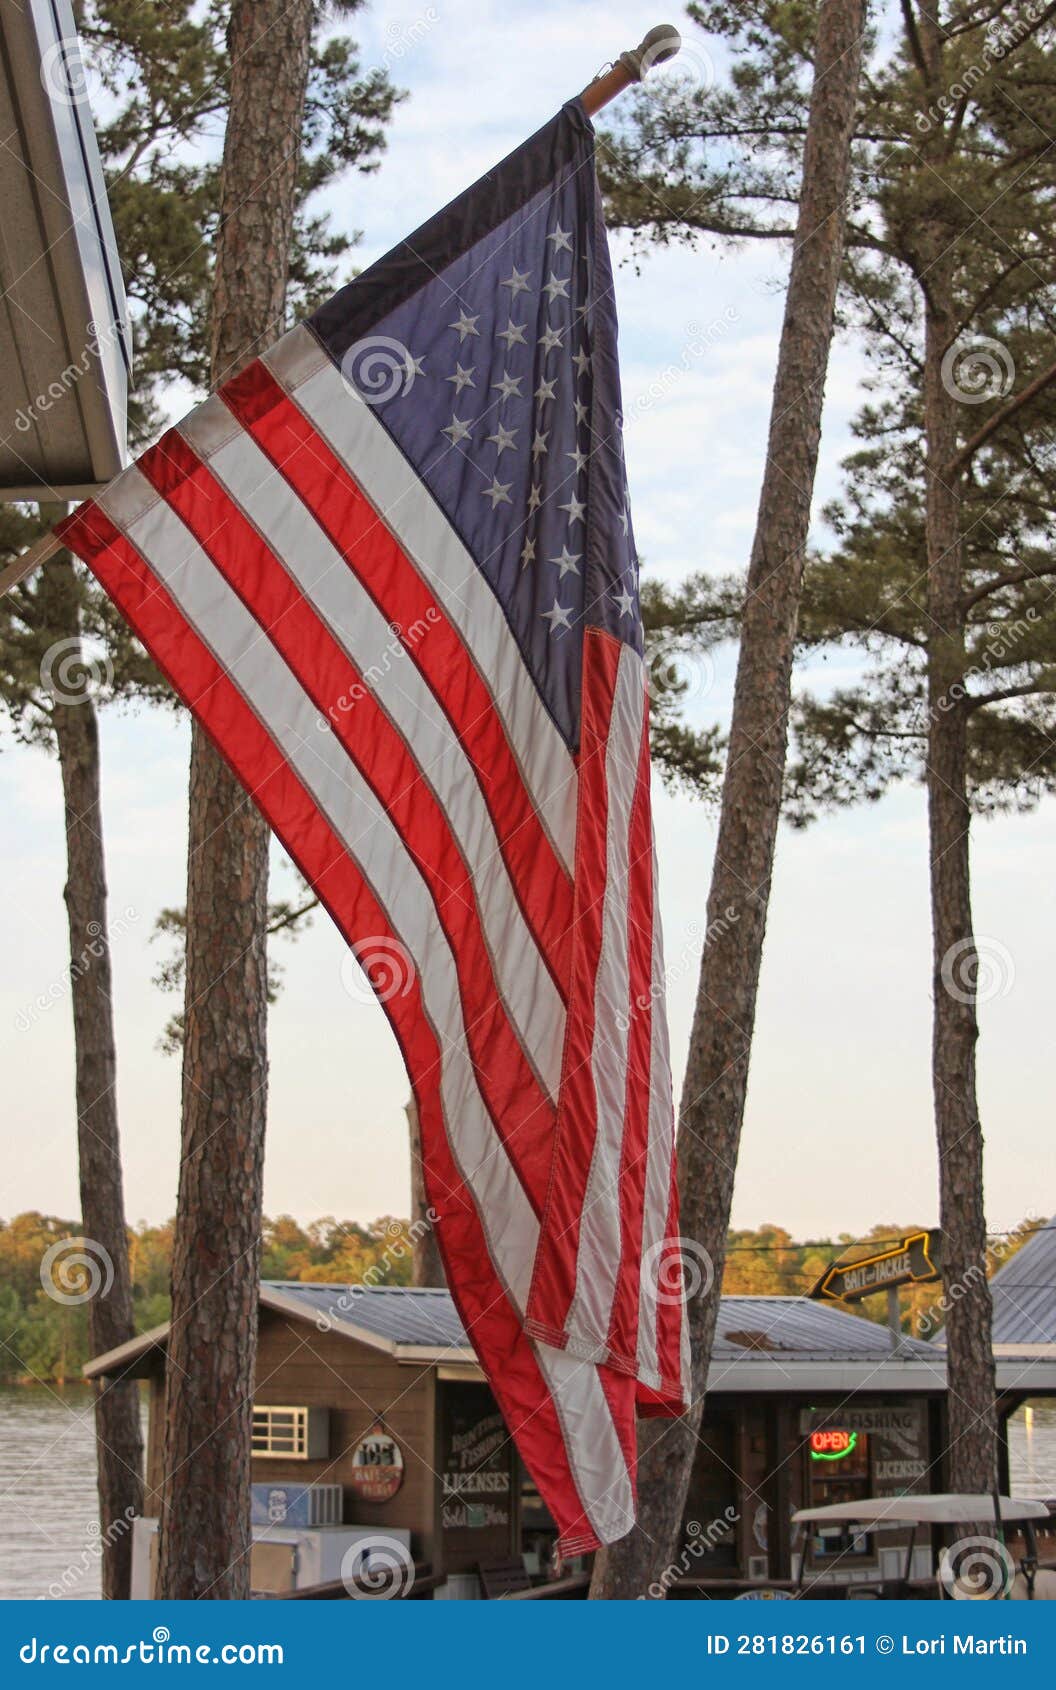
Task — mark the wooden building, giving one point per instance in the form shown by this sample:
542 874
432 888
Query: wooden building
377 1391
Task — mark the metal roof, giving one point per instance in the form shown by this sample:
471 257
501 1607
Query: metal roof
1024 1293
65 345
797 1328
401 1315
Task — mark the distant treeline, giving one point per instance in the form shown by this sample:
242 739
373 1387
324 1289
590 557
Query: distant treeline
44 1333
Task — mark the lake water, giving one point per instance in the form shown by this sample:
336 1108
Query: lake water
48 1518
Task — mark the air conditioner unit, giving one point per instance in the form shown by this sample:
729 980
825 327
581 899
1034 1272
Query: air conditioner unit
758 1567
296 1505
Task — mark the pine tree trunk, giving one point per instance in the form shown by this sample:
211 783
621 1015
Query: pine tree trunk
716 1077
971 1455
205 1534
428 1266
119 1439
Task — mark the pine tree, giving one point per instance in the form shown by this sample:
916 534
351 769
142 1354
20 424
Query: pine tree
715 1084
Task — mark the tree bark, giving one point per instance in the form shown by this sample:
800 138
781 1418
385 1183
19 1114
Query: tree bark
971 1455
205 1533
119 1439
713 1095
428 1267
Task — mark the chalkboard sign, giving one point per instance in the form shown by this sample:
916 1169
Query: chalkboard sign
477 1468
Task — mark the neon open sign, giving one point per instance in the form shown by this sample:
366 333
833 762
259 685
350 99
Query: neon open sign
832 1444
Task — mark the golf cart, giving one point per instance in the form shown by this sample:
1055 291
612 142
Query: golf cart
974 1564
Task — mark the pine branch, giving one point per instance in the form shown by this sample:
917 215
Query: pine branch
998 420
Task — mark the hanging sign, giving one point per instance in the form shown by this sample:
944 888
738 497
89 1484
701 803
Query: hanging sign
912 1261
376 1473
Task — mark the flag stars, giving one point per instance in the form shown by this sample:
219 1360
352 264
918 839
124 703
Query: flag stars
575 508
581 411
465 326
513 334
457 430
546 390
625 602
535 499
624 521
582 361
504 439
579 458
527 553
556 288
509 387
539 446
562 239
567 562
498 492
517 281
462 377
558 617
550 338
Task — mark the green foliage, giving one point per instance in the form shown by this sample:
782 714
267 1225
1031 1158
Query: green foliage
42 1338
961 147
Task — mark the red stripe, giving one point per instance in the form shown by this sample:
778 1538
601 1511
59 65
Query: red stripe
521 1112
554 1277
504 1352
634 1151
338 504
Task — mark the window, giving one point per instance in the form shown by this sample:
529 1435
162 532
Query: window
290 1434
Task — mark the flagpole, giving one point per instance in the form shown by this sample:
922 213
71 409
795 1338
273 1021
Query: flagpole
661 44
655 48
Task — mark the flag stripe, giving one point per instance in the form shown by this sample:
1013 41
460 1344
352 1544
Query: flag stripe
334 499
634 1152
654 1360
554 1280
522 1112
358 440
599 1249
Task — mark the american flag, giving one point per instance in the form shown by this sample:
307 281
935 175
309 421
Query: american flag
390 568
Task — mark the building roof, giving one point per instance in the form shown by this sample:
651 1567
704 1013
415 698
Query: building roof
1024 1293
65 343
762 1343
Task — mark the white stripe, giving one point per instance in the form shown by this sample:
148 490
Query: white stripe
292 533
594 1450
362 443
224 624
658 1160
598 1257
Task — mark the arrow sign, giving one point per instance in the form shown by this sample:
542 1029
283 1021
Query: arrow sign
912 1261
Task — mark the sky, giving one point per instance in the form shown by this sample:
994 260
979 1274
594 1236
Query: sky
838 1133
